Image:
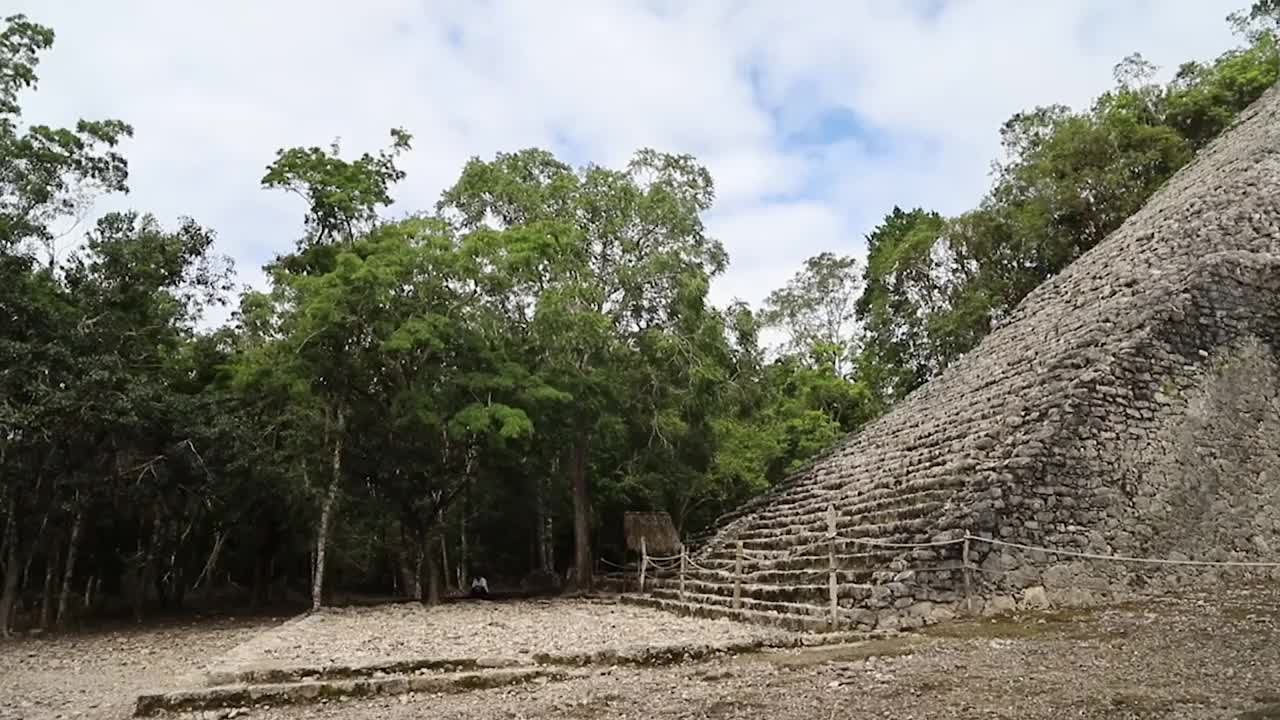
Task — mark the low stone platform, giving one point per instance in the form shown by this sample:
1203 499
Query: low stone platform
408 648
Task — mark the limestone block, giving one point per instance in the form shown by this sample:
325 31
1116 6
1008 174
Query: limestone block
940 614
861 616
888 620
920 609
999 605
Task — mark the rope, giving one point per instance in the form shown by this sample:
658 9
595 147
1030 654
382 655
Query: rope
699 567
614 564
1125 558
882 543
820 544
664 557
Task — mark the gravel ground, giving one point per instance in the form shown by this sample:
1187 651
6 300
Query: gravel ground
1191 657
98 674
476 629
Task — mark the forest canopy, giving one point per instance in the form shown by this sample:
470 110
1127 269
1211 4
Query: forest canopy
487 384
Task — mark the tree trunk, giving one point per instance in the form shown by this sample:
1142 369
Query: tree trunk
581 513
73 544
11 568
211 565
148 562
433 569
326 511
545 540
404 574
257 595
444 558
50 574
464 552
419 592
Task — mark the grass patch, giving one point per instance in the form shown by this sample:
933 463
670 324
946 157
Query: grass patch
1266 712
732 709
852 652
1251 613
598 706
1068 623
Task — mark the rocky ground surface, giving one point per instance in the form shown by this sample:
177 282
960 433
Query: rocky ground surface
477 629
98 674
1191 657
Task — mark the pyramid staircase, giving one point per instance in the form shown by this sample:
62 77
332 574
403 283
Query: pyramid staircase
1092 419
776 565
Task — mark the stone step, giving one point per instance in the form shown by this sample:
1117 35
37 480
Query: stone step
799 623
746 603
224 696
914 529
811 550
815 546
850 572
850 510
786 572
850 623
816 592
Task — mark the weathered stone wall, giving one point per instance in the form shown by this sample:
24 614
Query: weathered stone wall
1129 407
1171 449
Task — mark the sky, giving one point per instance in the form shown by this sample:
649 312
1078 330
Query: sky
814 117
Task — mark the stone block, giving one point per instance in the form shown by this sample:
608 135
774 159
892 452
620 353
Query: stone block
861 616
999 605
888 620
1035 598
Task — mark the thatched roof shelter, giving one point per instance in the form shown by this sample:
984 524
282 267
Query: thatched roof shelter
656 528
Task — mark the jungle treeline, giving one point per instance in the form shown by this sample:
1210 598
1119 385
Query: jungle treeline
487 384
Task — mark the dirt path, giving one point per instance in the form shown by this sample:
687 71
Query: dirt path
1191 657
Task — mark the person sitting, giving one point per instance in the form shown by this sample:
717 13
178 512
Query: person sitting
479 587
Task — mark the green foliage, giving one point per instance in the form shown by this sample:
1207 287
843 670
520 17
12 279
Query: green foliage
816 310
342 196
46 173
906 285
935 288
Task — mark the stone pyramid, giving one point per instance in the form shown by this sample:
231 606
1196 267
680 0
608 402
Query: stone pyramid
1130 406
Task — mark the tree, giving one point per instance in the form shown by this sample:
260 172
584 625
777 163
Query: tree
636 245
342 196
44 174
816 310
1066 180
906 288
320 303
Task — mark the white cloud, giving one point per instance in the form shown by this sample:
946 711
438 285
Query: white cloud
214 88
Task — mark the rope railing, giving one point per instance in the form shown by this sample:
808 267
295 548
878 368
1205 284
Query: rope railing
664 558
737 573
1124 558
612 564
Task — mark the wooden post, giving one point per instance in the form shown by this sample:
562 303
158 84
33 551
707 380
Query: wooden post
683 555
831 567
737 578
644 561
968 589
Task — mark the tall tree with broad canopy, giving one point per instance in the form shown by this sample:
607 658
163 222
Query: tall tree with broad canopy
635 247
